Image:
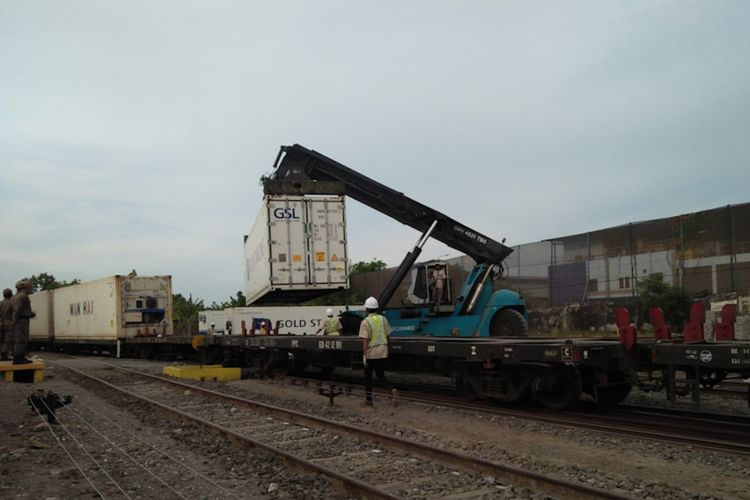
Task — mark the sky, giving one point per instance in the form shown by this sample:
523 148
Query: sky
133 134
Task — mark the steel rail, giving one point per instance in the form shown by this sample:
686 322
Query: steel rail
515 475
618 426
61 445
348 484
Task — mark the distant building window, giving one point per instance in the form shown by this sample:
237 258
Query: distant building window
624 282
593 285
139 304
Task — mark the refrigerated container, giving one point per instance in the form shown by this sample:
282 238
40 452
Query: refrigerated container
212 322
113 308
296 250
291 320
41 326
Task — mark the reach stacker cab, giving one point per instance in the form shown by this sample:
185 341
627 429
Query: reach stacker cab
478 310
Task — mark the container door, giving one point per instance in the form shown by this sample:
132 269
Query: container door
327 241
288 242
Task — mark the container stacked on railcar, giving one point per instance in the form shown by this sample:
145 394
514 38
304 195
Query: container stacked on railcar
106 309
296 249
42 326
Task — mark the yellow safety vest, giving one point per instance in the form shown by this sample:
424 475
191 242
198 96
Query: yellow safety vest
377 330
331 326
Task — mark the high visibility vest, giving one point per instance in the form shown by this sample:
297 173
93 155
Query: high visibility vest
331 326
377 330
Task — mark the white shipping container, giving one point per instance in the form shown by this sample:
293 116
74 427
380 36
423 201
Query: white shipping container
212 317
41 326
114 308
296 249
293 320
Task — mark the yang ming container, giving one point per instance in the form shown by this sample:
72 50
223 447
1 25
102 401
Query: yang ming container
113 308
296 249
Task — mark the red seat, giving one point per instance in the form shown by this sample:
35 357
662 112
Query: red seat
661 329
694 328
624 328
725 329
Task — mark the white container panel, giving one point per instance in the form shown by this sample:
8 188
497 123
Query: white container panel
41 327
113 308
88 311
289 252
257 258
211 317
327 241
296 249
294 320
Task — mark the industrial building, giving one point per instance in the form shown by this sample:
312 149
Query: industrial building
707 252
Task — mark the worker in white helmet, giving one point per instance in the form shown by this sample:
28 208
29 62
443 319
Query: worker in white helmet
265 328
330 325
374 331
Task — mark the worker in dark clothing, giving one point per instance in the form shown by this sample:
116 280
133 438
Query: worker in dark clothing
6 321
22 313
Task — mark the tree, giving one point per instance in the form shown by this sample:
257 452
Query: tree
132 274
366 267
673 300
185 314
46 281
236 301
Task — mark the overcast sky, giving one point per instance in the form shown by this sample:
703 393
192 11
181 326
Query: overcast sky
133 133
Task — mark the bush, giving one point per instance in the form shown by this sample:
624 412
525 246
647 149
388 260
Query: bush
673 300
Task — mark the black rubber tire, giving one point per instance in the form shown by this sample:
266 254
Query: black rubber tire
508 323
565 391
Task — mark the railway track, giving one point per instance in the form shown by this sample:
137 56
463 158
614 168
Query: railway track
715 432
360 461
101 452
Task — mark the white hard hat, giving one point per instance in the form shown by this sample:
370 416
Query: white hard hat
329 312
371 303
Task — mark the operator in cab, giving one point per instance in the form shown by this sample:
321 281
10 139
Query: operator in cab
330 325
374 331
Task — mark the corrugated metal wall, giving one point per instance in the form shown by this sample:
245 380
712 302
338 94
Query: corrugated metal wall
708 253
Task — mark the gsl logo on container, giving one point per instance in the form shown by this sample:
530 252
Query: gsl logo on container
285 213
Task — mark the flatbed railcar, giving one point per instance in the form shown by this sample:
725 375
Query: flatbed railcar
552 371
683 368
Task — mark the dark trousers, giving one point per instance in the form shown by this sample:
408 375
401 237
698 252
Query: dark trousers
377 366
21 337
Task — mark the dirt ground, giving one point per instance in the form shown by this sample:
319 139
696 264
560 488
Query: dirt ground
546 447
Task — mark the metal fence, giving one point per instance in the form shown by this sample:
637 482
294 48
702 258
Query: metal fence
707 253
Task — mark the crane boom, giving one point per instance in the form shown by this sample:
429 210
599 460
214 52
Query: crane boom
297 164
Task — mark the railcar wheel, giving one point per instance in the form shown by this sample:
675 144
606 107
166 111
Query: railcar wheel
327 370
614 394
508 323
561 389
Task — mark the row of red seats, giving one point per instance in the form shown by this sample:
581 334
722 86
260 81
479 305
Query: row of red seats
692 332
